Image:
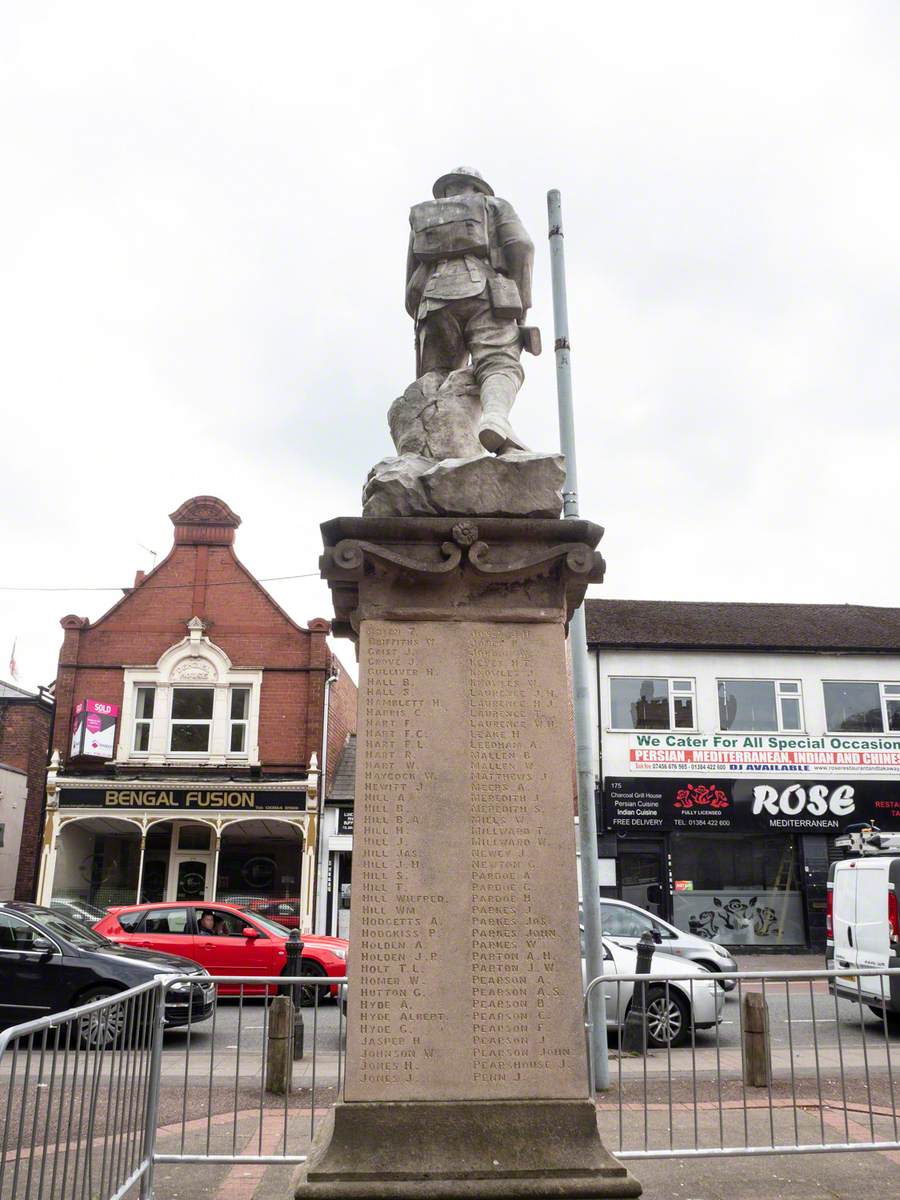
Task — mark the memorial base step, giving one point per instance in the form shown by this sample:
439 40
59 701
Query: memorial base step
454 1149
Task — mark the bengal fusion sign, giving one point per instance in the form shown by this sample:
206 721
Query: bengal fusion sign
202 798
749 805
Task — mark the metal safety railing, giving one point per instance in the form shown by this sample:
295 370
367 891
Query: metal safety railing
240 1095
793 1062
183 1069
79 1092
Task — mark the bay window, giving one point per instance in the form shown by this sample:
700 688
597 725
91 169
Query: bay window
193 706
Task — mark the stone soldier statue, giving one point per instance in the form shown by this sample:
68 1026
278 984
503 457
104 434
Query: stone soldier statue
468 287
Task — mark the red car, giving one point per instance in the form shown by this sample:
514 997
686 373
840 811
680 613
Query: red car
231 941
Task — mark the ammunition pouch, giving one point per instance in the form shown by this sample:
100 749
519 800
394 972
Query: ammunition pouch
505 298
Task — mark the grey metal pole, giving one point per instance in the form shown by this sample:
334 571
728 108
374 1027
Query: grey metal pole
587 816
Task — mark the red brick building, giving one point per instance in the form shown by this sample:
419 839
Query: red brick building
190 720
25 720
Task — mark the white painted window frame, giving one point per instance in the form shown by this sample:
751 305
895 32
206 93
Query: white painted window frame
244 722
779 696
690 692
139 723
883 695
194 661
206 722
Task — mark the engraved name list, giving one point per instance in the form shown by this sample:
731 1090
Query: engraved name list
465 966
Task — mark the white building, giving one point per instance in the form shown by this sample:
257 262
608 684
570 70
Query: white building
734 741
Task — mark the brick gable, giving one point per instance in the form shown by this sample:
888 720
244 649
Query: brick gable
202 577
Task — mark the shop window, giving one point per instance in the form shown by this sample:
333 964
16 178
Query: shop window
862 707
756 705
738 890
637 703
143 718
239 707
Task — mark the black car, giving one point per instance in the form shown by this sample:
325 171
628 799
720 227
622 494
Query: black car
49 963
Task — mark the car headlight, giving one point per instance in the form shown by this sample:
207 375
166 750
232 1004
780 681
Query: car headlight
341 954
720 950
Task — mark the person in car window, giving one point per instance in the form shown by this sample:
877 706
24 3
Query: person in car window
208 924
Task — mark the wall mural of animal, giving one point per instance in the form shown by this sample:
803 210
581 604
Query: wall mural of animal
735 914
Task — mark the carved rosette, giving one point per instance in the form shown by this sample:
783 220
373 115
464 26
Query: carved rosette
424 568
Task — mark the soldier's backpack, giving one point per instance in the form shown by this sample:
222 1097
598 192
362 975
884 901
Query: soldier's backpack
449 228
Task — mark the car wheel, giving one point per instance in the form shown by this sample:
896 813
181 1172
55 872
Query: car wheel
668 1018
308 966
100 1030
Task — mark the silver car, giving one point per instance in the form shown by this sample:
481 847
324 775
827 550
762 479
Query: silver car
626 922
674 1006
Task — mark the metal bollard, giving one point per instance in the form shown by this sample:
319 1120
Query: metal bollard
634 1035
294 956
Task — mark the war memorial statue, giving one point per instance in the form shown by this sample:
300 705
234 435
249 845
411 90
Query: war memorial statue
468 289
465 1068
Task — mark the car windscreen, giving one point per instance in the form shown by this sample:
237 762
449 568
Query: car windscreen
271 927
79 935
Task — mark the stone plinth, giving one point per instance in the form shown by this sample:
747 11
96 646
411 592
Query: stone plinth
465 1067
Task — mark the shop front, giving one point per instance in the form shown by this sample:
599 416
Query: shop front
337 881
740 861
110 842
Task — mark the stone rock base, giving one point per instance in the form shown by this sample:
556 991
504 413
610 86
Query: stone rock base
441 468
449 1150
437 416
519 483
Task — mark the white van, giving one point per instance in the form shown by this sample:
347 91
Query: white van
863 927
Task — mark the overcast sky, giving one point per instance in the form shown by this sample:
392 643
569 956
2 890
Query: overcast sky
204 221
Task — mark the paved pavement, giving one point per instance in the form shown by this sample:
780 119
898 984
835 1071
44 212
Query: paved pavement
794 1177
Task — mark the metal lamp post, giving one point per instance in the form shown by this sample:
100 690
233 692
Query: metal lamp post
587 815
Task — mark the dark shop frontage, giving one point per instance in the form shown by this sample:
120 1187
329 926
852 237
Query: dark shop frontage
739 861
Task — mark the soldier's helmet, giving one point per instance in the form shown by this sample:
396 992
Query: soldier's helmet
461 175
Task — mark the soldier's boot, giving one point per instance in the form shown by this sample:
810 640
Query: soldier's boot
498 393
